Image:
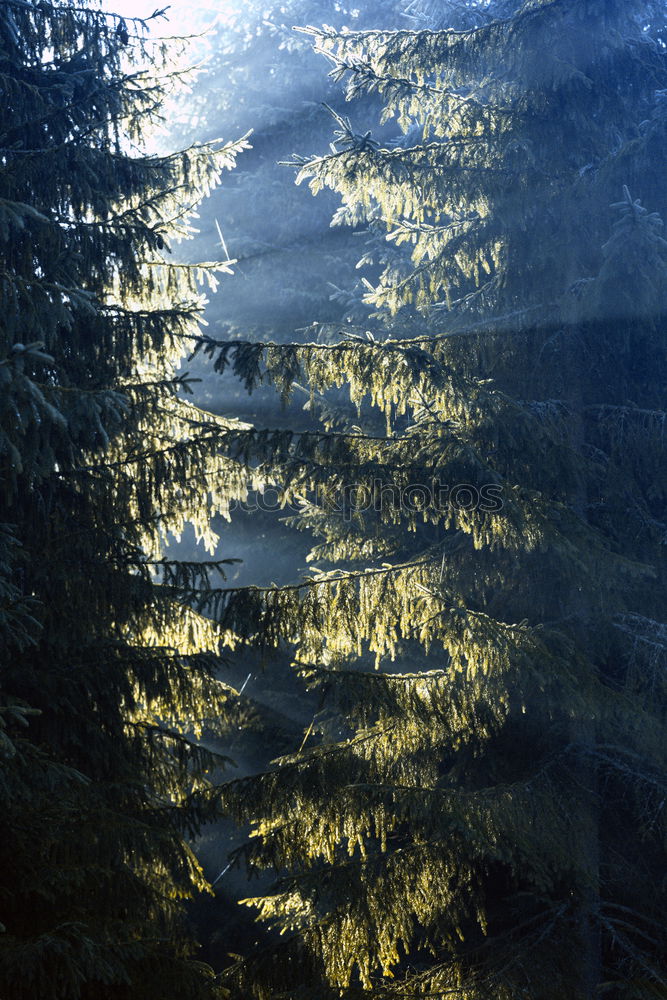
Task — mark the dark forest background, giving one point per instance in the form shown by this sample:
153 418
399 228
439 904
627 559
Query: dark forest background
258 740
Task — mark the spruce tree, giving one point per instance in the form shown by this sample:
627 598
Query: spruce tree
107 670
477 809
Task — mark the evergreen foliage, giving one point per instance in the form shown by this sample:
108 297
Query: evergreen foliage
477 807
292 268
107 673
